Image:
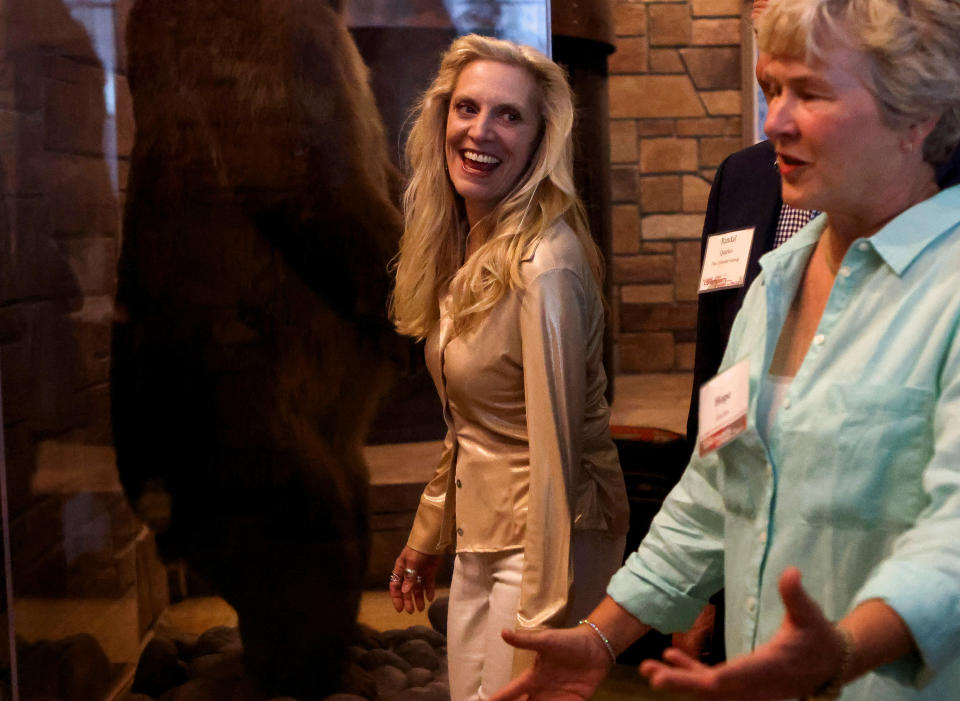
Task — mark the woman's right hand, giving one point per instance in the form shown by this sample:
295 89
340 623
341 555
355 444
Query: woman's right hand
414 574
570 665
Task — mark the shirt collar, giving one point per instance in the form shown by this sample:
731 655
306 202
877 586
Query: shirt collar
907 234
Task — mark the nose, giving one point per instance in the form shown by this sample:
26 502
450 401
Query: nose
780 123
481 127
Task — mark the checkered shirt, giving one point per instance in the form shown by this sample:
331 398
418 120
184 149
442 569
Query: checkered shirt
791 221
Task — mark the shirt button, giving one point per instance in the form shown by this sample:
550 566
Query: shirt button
819 339
786 403
459 531
459 484
863 246
751 604
845 271
763 538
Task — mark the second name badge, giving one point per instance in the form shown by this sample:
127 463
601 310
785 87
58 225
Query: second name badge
725 260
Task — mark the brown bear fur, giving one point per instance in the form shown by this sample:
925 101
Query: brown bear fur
252 341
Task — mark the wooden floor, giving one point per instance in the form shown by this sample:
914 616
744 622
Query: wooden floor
654 401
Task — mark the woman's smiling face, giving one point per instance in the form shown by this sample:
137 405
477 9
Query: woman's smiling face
492 129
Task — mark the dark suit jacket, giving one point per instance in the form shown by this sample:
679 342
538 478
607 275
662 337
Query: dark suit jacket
745 192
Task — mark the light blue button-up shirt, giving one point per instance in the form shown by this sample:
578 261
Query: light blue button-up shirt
858 482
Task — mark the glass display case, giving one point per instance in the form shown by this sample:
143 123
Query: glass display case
88 582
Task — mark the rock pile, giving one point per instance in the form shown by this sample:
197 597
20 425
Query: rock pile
395 665
404 665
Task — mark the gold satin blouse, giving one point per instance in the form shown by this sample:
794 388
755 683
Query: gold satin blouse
528 456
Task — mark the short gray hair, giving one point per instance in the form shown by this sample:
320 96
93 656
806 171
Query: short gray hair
912 49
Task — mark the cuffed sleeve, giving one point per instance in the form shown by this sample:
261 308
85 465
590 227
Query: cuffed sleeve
679 565
430 533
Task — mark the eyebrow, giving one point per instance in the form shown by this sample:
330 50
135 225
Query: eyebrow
799 81
807 81
499 106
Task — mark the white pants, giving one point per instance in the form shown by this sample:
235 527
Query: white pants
485 596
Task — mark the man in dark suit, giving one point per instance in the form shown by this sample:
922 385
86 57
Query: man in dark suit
745 193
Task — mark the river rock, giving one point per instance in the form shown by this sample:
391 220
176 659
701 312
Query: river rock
419 676
218 639
378 658
159 668
419 653
389 680
219 665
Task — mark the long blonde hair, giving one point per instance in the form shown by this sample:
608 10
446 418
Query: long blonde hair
433 241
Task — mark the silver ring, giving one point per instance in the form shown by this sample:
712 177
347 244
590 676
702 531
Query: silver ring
394 577
410 572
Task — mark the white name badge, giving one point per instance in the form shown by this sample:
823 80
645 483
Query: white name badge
725 260
723 407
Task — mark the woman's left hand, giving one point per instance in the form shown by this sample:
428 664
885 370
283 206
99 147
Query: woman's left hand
414 573
805 653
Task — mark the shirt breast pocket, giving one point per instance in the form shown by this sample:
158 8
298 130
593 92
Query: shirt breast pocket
865 470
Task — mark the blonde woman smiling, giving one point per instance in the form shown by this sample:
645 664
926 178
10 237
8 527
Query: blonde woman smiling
497 271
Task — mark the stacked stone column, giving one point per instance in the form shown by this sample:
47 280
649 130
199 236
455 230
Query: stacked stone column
675 108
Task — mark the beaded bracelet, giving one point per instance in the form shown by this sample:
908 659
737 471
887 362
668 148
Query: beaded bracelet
830 689
603 638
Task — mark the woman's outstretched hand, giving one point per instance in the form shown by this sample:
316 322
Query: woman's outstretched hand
413 576
805 653
570 664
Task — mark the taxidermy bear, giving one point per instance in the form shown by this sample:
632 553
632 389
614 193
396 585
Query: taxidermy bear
252 344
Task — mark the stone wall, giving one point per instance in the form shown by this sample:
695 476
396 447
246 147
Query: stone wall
675 109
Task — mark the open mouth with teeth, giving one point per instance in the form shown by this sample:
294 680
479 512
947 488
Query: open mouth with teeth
480 162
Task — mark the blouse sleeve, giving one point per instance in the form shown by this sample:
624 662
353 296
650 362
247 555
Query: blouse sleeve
679 564
553 327
427 534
